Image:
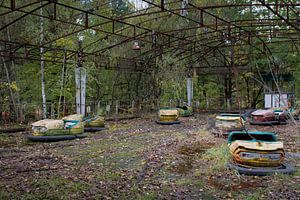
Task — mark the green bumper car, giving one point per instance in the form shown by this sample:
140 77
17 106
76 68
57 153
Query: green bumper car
185 111
51 130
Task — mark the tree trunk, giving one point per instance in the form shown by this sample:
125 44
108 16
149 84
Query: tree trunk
228 91
12 96
205 95
15 96
63 72
42 65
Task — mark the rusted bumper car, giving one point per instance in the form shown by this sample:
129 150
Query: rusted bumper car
185 111
257 153
94 124
52 130
295 113
168 116
226 123
268 117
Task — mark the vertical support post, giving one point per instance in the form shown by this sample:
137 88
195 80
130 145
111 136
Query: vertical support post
42 64
80 81
86 25
162 5
78 89
13 4
229 30
132 106
83 90
249 38
54 11
98 108
62 83
201 18
52 111
117 107
189 84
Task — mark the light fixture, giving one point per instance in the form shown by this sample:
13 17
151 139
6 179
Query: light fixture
136 45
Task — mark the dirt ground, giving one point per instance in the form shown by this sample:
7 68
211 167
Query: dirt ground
139 159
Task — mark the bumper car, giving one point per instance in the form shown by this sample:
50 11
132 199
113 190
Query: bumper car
168 116
51 130
94 124
226 123
295 113
185 111
268 117
257 153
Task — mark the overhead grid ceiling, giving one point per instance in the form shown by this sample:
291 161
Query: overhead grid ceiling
200 35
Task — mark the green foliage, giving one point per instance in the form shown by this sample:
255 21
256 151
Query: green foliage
172 78
166 80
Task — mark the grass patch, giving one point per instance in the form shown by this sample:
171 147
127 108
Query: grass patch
203 132
256 195
4 194
200 183
51 188
119 126
57 188
184 182
108 176
147 196
218 158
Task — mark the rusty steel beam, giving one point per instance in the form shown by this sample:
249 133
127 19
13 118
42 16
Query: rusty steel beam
239 27
48 42
19 18
76 31
10 10
216 17
188 40
278 15
109 18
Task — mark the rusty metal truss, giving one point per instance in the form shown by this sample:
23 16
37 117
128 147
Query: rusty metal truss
204 37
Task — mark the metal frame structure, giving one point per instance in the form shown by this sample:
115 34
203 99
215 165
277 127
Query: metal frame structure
200 34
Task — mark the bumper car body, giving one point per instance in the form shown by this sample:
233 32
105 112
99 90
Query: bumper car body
256 152
229 122
55 130
168 116
268 117
185 111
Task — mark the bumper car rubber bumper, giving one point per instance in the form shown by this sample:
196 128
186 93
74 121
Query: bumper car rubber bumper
268 123
94 129
54 138
262 171
167 123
